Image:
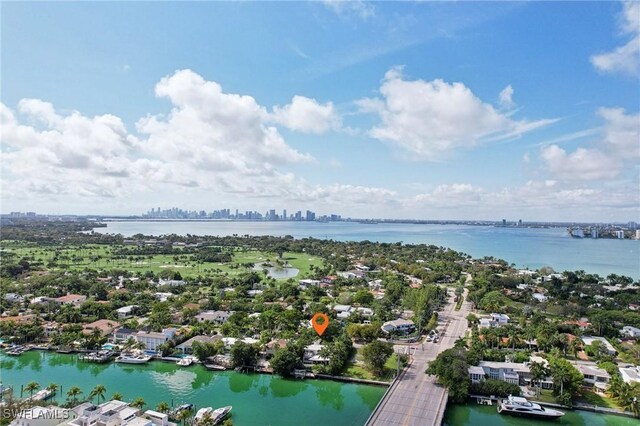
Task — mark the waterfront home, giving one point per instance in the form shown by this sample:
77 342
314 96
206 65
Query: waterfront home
365 312
312 354
105 326
122 334
50 328
594 376
630 331
42 416
399 326
151 339
230 341
71 299
115 413
274 345
219 317
630 373
126 311
588 340
187 346
510 372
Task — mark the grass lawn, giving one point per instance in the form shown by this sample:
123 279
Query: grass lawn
101 257
357 370
589 397
546 395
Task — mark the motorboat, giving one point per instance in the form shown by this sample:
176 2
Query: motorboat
202 413
185 362
133 359
518 406
179 409
219 414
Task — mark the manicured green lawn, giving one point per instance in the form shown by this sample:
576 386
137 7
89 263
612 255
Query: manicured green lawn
101 257
593 398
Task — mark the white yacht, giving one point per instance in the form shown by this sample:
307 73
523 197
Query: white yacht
219 414
133 359
185 362
518 406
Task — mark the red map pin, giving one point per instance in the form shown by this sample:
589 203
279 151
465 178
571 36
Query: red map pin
320 327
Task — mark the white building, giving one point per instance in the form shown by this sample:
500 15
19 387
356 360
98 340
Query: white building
151 339
540 297
126 311
594 376
219 317
630 373
500 318
630 331
399 326
510 372
312 354
588 340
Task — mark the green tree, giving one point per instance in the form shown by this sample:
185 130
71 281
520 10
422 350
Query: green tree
32 387
138 403
98 391
565 376
73 393
287 359
243 354
375 355
53 388
117 396
538 373
163 407
452 370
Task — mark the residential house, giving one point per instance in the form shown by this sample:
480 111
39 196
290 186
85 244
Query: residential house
187 347
274 345
171 283
306 283
343 311
126 311
594 376
230 341
13 298
630 373
630 331
71 299
312 355
162 297
105 326
501 319
365 312
539 297
219 317
588 340
399 326
510 372
122 334
151 339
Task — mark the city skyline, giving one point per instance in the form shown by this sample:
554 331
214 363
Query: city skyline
376 110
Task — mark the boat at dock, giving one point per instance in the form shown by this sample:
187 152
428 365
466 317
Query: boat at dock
179 409
41 395
217 415
16 350
99 357
133 359
185 362
215 367
518 406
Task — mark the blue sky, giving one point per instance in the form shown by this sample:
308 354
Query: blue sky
369 109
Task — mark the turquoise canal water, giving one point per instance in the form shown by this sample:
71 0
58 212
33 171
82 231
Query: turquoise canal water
482 415
526 247
257 399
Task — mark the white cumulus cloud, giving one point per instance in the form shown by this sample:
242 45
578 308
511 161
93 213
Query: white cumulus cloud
307 115
624 59
429 119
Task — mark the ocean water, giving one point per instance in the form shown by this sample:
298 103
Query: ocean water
525 247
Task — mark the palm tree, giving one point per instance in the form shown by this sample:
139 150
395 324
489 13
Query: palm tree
538 373
98 391
184 415
163 407
116 396
138 403
53 388
74 392
31 387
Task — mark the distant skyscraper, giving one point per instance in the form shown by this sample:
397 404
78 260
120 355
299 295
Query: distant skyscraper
504 222
311 216
284 214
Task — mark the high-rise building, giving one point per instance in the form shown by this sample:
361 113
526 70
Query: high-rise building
284 214
311 216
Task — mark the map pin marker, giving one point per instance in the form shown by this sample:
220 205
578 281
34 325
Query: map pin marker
320 328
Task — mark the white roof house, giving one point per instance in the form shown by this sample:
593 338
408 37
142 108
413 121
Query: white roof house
399 326
630 373
588 340
500 318
126 311
214 316
630 331
540 297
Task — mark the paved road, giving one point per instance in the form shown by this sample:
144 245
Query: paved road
415 398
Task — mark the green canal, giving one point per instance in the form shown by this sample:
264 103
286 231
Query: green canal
481 415
257 399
